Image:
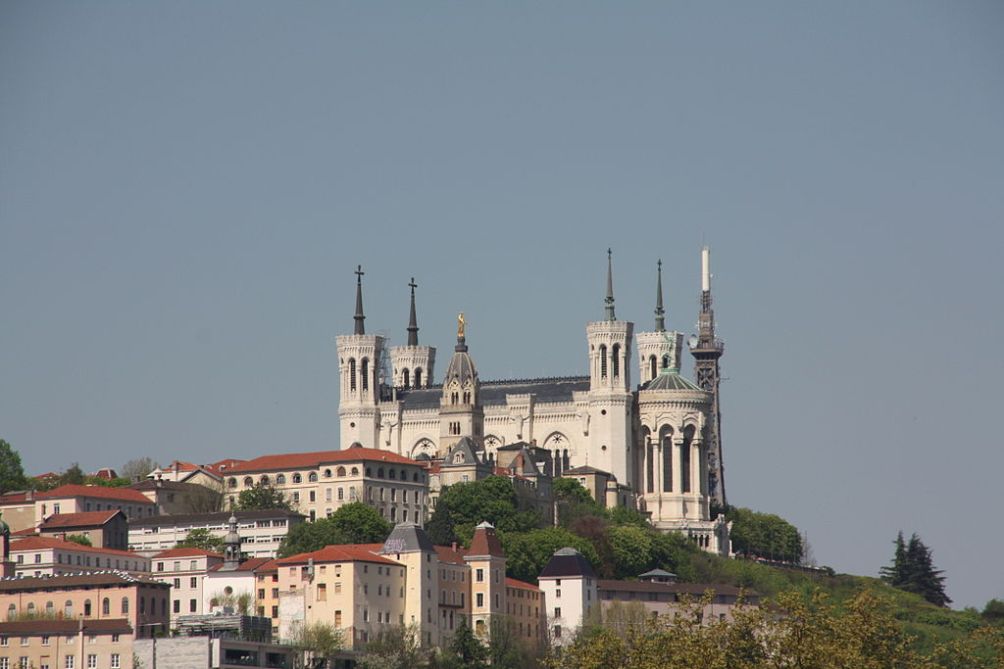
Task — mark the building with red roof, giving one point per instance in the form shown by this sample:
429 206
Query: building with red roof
74 498
51 556
104 529
317 483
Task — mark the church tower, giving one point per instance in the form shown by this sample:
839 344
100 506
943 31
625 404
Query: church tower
359 359
412 364
657 350
610 397
460 410
707 349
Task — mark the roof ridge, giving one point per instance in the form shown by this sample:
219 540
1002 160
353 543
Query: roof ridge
540 379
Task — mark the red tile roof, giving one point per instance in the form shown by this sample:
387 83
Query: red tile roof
450 555
15 498
336 553
36 543
523 585
185 552
223 466
314 459
101 492
84 519
485 542
65 581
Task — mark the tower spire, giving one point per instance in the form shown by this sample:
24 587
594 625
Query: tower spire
609 300
413 319
359 317
660 313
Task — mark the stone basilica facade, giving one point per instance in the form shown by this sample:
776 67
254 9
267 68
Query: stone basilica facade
655 446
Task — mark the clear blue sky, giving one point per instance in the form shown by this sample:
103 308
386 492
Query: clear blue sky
185 188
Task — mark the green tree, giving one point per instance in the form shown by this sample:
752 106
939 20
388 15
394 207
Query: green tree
764 535
573 501
528 552
318 642
464 652
79 539
203 539
912 570
11 472
993 612
462 506
396 648
262 496
137 469
73 475
354 523
632 549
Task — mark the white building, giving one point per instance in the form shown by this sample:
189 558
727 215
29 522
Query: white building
657 440
569 586
261 531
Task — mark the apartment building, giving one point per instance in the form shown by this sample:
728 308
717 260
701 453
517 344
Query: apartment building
73 498
261 531
318 483
49 556
366 589
185 570
105 595
57 644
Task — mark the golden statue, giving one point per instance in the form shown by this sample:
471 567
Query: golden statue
461 325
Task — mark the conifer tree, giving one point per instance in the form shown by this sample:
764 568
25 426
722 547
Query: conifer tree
912 570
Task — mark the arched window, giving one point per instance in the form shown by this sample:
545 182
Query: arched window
352 373
125 605
50 609
649 467
248 481
264 479
340 471
67 608
232 482
407 378
380 472
341 494
414 477
688 439
297 478
31 608
106 607
557 462
142 606
615 360
312 477
603 361
391 473
327 473
564 461
665 362
404 475
652 366
11 612
280 479
418 377
355 471
366 373
666 440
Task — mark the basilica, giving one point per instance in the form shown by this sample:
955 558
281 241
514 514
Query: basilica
655 446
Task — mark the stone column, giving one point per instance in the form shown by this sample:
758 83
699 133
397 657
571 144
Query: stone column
678 443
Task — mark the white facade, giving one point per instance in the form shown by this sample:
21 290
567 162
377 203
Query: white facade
599 420
261 531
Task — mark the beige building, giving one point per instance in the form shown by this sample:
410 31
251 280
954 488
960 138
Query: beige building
171 497
49 556
185 570
98 596
366 589
318 483
73 498
56 644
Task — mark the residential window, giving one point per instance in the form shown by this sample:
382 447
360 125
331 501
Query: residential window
4 663
193 565
177 606
69 662
177 583
193 605
480 575
480 600
116 662
193 582
92 662
557 611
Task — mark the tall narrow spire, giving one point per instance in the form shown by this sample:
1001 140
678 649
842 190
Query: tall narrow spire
660 313
359 317
609 300
413 319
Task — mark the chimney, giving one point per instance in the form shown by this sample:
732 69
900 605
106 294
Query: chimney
454 546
